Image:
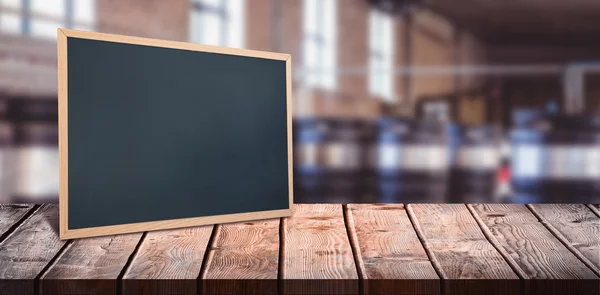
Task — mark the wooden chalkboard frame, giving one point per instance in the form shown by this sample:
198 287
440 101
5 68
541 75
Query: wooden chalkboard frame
64 231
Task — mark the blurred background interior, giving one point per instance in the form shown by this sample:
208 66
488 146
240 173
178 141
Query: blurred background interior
394 101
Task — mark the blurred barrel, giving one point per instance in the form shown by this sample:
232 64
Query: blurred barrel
328 159
474 162
36 150
6 165
556 158
408 161
526 116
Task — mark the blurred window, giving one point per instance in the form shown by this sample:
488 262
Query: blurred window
381 55
41 18
320 44
218 22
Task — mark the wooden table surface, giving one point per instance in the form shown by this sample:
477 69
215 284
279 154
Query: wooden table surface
322 249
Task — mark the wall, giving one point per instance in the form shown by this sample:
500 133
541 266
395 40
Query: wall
438 43
274 25
259 32
592 90
433 42
291 30
470 52
144 18
433 45
353 46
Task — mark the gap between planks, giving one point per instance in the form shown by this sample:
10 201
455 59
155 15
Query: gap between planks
595 208
59 254
488 234
18 224
351 236
128 263
434 262
390 258
417 228
280 264
563 239
354 245
208 255
317 254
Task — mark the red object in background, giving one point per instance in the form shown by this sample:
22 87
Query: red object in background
503 180
504 175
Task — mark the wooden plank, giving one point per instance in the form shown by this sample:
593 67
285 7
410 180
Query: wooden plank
575 226
243 259
10 216
25 253
595 208
463 257
168 262
317 257
392 259
550 268
89 266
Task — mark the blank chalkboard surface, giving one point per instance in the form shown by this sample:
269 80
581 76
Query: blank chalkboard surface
158 134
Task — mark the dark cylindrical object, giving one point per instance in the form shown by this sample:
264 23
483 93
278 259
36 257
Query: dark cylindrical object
328 159
556 158
6 163
408 161
474 162
527 116
36 150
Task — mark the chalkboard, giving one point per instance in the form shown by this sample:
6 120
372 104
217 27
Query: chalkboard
158 134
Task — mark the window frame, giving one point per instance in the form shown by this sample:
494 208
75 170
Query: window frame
27 17
322 42
223 11
381 58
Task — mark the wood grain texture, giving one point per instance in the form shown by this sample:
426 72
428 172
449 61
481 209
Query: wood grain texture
290 143
174 44
243 259
392 259
168 262
540 242
10 215
173 223
89 266
25 253
63 134
576 226
549 266
467 262
317 256
595 208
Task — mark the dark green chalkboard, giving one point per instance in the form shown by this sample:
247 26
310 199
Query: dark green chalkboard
159 134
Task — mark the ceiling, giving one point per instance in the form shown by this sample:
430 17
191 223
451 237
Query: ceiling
539 22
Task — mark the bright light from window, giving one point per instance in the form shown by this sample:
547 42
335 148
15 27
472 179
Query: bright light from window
45 16
10 17
381 55
11 3
84 12
44 29
218 22
320 44
50 8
